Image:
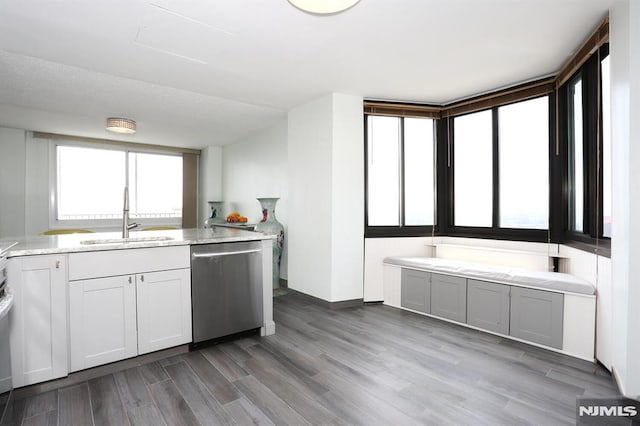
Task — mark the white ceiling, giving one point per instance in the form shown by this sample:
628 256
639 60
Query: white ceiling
195 73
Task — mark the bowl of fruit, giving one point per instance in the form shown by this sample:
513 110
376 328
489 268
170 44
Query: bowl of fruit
236 217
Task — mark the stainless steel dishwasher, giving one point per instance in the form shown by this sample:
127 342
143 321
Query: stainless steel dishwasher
226 289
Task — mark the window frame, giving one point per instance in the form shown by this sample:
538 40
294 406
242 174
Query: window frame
494 231
591 237
585 62
400 230
99 224
569 140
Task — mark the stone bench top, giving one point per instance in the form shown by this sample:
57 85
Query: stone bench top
553 281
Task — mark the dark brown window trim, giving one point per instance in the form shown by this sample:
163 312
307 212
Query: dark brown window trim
134 146
600 247
402 110
512 95
596 40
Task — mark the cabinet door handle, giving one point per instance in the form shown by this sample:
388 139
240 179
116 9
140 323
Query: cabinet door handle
130 280
142 278
57 264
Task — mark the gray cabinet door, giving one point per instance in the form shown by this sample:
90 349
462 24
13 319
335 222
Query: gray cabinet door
449 297
488 306
536 316
415 290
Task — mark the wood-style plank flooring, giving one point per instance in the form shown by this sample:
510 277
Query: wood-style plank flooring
368 365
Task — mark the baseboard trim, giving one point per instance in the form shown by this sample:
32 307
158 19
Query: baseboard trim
342 304
268 329
617 381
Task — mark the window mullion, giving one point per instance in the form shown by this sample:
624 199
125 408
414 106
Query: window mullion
401 209
496 170
590 117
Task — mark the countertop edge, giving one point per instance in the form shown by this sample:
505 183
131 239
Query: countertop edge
17 251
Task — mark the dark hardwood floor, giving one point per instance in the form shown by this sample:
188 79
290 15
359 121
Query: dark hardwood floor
368 365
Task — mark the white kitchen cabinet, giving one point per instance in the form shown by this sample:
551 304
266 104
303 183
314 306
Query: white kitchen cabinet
38 320
164 309
102 321
118 317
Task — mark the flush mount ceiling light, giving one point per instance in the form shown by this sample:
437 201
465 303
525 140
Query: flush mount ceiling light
121 125
323 7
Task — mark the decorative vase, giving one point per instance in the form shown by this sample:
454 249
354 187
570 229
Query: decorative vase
216 214
270 225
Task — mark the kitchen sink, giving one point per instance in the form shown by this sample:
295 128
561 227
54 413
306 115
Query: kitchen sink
126 240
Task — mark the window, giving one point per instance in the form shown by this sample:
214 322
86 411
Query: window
155 185
383 171
606 147
473 170
501 167
523 146
400 173
90 184
576 156
418 171
587 134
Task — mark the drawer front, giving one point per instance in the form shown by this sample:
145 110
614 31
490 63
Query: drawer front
449 297
416 290
488 306
536 316
98 264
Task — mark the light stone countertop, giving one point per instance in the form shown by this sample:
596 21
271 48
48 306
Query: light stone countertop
6 245
72 243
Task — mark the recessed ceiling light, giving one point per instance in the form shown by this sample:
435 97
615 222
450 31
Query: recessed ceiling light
121 125
323 7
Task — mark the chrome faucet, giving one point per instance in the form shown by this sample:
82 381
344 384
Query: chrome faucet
126 226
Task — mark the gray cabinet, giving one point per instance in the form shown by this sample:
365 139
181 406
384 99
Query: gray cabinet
488 306
449 297
415 290
536 316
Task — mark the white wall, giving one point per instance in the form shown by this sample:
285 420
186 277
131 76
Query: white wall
347 202
12 182
326 198
309 172
209 180
625 247
24 184
516 254
257 167
37 187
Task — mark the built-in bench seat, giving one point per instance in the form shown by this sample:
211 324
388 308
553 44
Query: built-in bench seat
552 281
549 309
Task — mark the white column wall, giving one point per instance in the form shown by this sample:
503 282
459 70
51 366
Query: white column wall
326 193
347 203
625 247
310 184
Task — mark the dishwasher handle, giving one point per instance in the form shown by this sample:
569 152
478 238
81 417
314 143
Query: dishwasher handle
222 253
